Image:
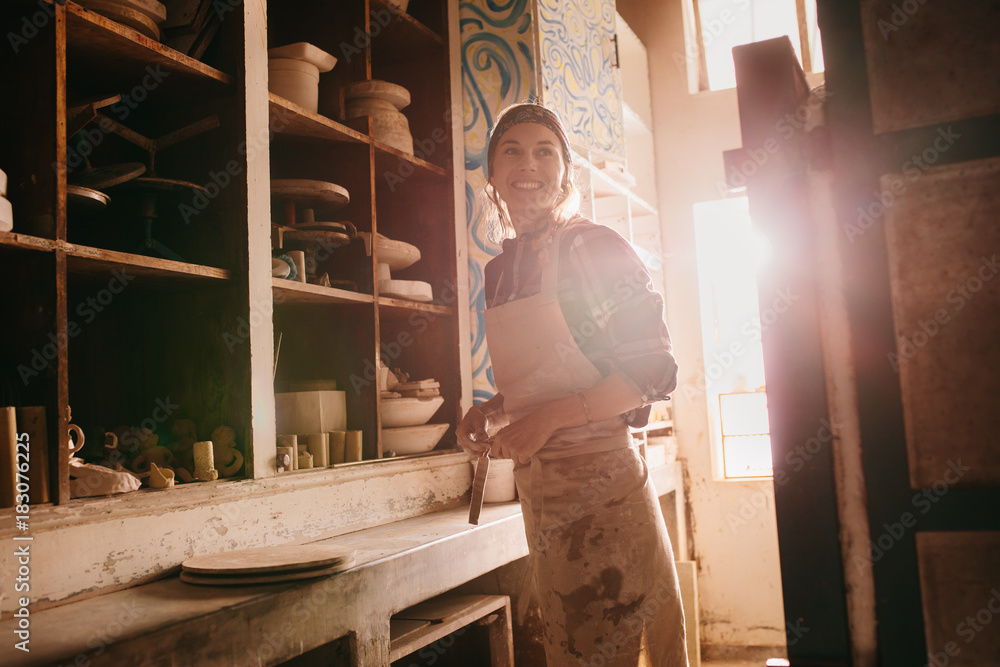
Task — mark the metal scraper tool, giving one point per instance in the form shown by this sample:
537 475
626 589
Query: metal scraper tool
479 487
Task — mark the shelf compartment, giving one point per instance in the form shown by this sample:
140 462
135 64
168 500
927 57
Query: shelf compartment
300 122
82 260
402 36
291 291
26 242
96 39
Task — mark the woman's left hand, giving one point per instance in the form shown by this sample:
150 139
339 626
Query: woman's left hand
522 439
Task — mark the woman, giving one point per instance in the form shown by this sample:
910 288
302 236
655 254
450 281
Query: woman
579 347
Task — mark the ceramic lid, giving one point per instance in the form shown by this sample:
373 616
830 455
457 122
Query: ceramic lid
314 55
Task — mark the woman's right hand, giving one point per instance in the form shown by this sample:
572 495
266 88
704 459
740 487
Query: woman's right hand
471 431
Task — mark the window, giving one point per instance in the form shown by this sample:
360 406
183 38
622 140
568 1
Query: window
729 254
719 25
746 440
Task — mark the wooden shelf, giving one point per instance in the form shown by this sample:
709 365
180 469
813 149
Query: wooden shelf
300 122
389 160
393 308
26 242
403 37
291 291
423 624
119 50
84 260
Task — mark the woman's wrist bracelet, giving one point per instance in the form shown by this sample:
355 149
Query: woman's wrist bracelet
586 407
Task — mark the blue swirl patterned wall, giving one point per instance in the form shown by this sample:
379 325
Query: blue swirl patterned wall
578 77
498 69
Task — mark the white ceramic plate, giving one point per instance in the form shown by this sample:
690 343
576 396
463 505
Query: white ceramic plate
397 412
413 439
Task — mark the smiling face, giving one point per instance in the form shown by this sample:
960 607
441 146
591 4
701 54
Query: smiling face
528 173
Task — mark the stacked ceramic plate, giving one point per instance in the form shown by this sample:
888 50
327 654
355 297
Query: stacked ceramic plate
382 102
143 16
266 565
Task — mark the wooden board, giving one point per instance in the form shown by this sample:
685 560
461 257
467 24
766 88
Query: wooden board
401 629
272 560
254 579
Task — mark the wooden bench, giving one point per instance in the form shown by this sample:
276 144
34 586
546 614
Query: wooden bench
398 566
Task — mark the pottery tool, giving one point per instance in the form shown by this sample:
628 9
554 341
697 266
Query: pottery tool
277 348
479 487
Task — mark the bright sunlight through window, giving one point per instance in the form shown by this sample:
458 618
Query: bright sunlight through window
730 252
728 23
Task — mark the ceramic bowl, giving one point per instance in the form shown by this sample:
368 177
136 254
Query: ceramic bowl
397 412
413 439
411 290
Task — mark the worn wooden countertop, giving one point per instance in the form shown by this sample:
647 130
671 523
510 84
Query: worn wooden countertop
170 622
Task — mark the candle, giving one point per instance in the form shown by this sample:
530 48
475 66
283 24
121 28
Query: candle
204 461
319 447
291 442
337 446
290 454
353 446
305 460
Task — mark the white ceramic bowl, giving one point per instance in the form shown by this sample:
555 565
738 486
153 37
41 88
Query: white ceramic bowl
412 290
413 439
398 412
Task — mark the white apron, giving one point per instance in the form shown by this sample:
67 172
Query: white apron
600 558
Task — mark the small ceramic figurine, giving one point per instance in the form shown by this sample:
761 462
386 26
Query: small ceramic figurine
160 478
187 434
228 459
151 452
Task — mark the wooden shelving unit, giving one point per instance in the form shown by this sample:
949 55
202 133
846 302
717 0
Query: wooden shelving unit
406 197
133 327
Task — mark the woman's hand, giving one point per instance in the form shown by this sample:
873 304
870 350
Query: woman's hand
473 431
522 439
